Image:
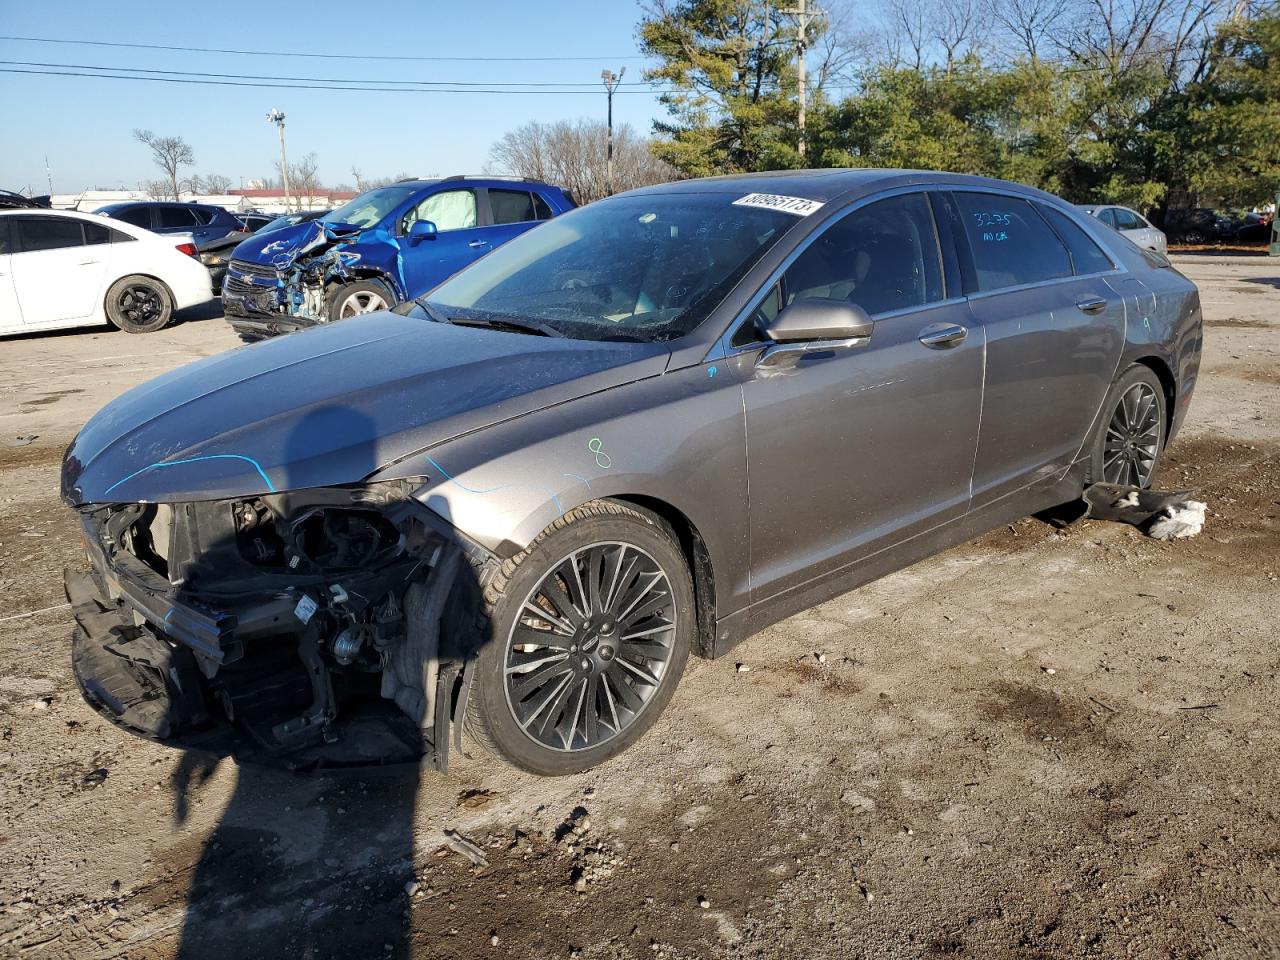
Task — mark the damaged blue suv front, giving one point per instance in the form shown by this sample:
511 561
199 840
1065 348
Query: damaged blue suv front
389 244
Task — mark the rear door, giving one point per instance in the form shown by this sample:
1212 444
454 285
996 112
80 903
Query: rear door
176 218
855 449
10 312
456 214
511 212
57 276
1053 340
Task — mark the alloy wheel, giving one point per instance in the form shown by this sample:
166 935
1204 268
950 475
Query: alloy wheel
590 646
140 303
366 301
1133 438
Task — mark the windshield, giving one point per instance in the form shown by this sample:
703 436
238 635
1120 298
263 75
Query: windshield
632 268
371 206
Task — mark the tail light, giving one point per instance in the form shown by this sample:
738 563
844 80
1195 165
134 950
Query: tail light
189 249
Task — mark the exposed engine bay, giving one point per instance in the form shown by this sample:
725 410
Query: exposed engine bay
315 629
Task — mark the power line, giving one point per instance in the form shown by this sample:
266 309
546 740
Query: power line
319 56
251 76
300 86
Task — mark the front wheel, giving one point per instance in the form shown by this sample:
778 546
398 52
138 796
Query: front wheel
591 629
363 296
1130 438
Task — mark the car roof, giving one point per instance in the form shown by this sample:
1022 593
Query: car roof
833 184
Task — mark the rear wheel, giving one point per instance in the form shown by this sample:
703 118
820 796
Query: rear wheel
139 304
1130 439
591 629
363 296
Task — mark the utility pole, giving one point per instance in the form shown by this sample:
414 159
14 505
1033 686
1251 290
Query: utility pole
610 84
48 174
801 13
277 117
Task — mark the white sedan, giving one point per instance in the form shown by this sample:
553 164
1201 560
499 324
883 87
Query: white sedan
64 269
1130 223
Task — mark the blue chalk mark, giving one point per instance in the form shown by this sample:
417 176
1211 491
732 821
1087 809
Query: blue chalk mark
168 615
505 486
582 480
711 372
213 456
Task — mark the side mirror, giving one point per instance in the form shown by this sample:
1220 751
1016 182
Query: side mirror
813 326
421 230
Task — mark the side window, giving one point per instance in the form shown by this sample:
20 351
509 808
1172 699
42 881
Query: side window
202 216
1128 220
1086 256
1011 244
138 216
95 233
511 206
5 245
448 210
1108 216
882 257
541 209
170 217
48 233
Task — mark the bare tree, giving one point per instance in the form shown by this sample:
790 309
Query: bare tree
169 153
303 179
572 154
908 32
1118 35
216 183
956 25
1030 22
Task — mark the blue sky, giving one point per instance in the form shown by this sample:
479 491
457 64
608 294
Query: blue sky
85 125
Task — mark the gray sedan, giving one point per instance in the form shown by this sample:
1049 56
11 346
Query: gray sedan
648 428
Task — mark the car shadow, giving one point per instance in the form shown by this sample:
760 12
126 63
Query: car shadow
308 864
1265 281
211 309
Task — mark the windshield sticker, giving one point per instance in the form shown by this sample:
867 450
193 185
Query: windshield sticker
772 201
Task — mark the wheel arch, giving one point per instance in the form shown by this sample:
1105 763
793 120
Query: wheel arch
106 292
1164 374
701 570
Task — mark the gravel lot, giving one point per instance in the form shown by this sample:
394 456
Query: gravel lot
1040 743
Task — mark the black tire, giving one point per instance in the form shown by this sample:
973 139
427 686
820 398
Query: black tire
1194 237
363 296
138 304
1130 437
591 719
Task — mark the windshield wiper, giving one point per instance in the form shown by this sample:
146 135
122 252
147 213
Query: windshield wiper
430 311
512 324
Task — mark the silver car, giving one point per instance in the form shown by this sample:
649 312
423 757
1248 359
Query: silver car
1131 224
647 428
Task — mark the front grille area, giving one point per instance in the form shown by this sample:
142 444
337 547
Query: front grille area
253 286
260 270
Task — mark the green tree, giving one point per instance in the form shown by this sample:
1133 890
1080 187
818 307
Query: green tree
730 63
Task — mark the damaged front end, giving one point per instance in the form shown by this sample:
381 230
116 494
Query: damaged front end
289 285
323 628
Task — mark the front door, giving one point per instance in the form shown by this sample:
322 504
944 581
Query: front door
10 312
458 240
855 449
56 276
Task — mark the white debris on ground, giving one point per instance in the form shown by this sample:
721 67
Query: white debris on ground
1178 521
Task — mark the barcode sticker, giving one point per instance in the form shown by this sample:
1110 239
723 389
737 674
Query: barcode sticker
305 609
772 201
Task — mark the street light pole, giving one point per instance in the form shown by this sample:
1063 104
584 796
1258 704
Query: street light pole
277 117
610 84
802 15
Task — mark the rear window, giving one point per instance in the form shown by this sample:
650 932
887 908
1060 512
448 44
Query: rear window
1011 243
138 216
511 206
1086 256
202 216
171 217
541 209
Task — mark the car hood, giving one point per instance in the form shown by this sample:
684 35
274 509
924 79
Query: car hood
330 405
280 248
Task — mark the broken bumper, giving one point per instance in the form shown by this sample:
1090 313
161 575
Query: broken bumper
248 676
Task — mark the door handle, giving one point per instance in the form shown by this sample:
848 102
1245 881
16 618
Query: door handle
478 243
1091 305
939 335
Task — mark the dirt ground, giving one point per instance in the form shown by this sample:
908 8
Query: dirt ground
1037 744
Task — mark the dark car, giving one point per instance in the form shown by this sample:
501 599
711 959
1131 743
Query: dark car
18 201
216 254
1197 226
254 222
387 245
650 427
202 221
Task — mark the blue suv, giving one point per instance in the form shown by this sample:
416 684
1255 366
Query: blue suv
203 221
387 245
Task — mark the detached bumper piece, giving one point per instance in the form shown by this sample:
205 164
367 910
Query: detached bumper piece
364 671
